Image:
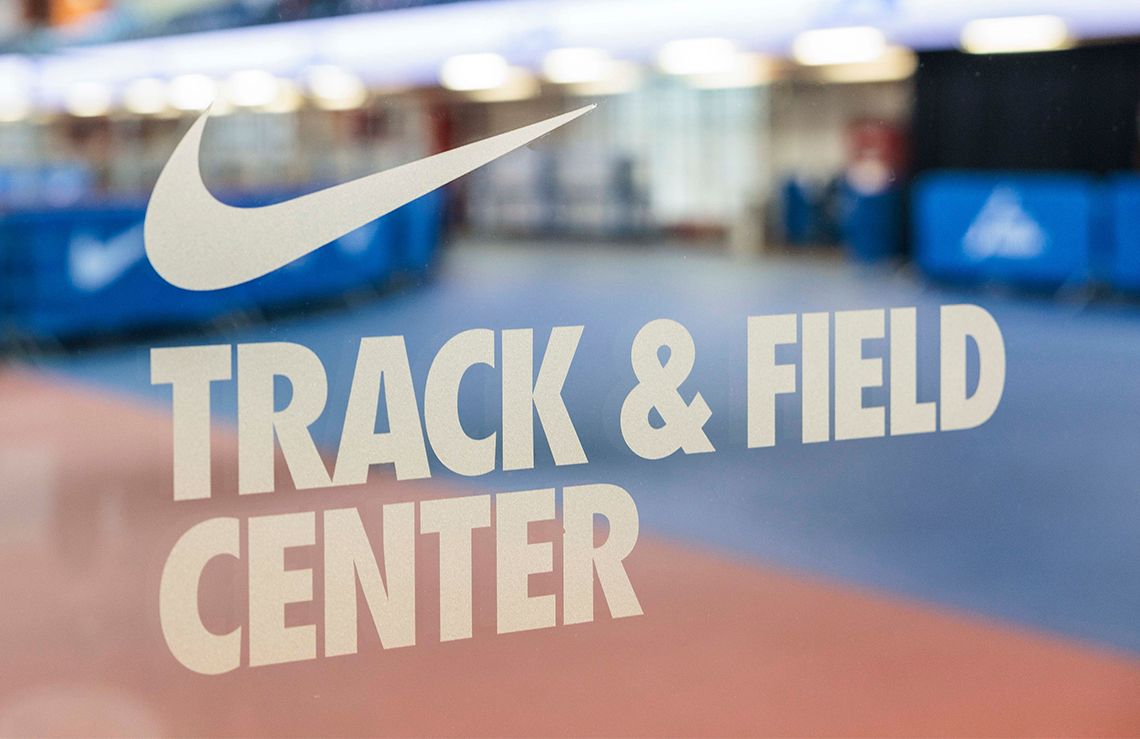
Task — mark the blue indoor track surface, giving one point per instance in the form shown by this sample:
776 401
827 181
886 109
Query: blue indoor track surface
1033 517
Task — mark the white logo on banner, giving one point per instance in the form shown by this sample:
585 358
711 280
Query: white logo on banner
93 264
1003 228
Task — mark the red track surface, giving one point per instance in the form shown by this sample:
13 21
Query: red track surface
724 647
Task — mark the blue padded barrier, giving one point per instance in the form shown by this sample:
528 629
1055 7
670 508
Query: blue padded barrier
870 224
1019 228
1124 261
73 272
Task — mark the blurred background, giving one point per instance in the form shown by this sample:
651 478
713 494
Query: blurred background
745 158
804 128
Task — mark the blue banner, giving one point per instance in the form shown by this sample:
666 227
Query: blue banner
83 271
870 223
1124 270
1024 229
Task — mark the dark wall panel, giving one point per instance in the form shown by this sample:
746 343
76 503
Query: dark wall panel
1072 110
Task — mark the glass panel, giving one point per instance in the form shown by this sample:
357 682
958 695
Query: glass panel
569 368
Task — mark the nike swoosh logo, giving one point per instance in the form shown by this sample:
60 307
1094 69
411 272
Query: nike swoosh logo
93 264
196 242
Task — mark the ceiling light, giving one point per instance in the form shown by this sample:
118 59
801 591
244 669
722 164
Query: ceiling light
14 108
896 63
333 88
88 99
520 85
251 88
287 99
748 70
474 72
839 45
567 66
14 102
16 79
621 77
192 92
146 96
1024 33
697 56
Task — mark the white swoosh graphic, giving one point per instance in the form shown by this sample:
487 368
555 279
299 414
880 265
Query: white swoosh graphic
93 264
198 243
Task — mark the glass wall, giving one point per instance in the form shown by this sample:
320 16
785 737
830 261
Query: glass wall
569 368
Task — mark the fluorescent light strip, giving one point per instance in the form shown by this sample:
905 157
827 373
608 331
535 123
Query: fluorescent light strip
146 96
583 64
1016 34
698 56
251 88
88 99
519 85
896 63
854 45
192 92
334 88
407 47
468 72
